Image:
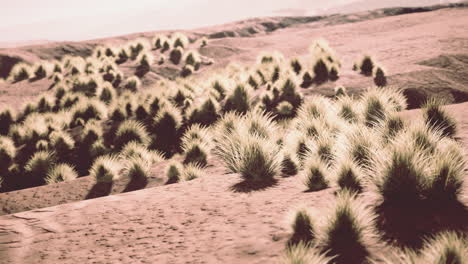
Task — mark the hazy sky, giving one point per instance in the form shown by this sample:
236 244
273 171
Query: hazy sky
87 19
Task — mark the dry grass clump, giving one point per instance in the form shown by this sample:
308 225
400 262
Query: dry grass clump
186 71
20 72
303 228
38 166
41 70
239 100
137 47
316 175
87 110
7 153
106 169
132 83
366 65
349 175
176 55
206 114
379 75
192 171
7 119
195 153
137 169
131 130
180 40
60 173
167 130
192 58
347 231
145 61
174 172
303 254
248 147
437 118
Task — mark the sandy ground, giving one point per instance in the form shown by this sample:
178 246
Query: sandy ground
209 220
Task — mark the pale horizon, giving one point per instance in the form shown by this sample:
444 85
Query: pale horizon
55 20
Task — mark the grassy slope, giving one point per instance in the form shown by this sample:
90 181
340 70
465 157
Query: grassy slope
204 219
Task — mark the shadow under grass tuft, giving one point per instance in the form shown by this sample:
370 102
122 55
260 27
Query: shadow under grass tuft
100 189
136 184
410 225
247 186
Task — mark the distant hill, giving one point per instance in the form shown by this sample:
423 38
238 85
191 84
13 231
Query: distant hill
364 5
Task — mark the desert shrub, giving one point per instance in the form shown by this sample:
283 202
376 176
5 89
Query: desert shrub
158 41
316 175
175 55
448 173
86 85
379 75
106 169
246 151
307 79
166 129
122 56
107 93
303 254
437 118
186 71
134 149
131 130
206 114
45 104
195 133
7 153
349 176
359 144
20 72
57 68
390 127
192 171
401 176
196 153
238 100
132 83
60 173
320 71
296 66
63 144
303 229
367 65
289 93
166 45
161 59
192 58
38 166
324 148
180 40
137 169
375 110
137 47
340 91
7 119
447 247
204 42
145 60
333 74
346 230
174 172
41 70
285 110
289 164
87 110
220 87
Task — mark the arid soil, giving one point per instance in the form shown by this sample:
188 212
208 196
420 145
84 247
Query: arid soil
215 218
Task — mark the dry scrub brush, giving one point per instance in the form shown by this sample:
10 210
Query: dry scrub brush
249 148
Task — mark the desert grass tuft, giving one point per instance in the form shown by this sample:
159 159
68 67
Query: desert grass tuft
367 65
7 119
38 166
316 175
445 248
7 153
60 173
20 72
379 75
349 176
196 153
238 100
303 228
174 172
131 130
106 169
303 254
192 171
132 83
437 118
347 230
176 55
